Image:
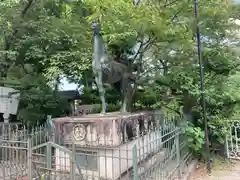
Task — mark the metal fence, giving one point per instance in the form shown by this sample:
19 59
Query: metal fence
233 139
156 153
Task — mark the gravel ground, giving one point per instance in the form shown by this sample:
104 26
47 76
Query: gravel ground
222 170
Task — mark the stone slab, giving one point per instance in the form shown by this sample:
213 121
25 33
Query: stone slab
99 117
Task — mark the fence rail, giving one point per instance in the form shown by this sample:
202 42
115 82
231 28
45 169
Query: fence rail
233 139
157 154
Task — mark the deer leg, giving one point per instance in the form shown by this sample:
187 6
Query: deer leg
124 103
101 91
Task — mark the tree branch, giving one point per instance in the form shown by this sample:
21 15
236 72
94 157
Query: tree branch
178 12
138 51
170 3
8 40
26 8
147 44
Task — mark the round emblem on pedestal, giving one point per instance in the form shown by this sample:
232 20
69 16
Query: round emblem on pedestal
79 132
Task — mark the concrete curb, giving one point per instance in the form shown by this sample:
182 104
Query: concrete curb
190 170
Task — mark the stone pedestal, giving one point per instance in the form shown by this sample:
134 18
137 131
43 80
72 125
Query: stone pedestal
110 130
104 143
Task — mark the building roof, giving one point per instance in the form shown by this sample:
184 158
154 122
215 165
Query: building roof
70 94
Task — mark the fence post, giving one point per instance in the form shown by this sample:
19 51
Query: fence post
29 153
73 162
178 152
134 156
226 146
49 159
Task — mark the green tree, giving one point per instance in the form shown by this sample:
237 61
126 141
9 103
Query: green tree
33 44
168 58
156 40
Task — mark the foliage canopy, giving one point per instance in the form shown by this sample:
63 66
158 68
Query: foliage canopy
44 40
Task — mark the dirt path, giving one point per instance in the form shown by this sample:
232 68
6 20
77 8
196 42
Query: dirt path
222 170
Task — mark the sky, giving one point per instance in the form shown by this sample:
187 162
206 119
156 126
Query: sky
65 85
